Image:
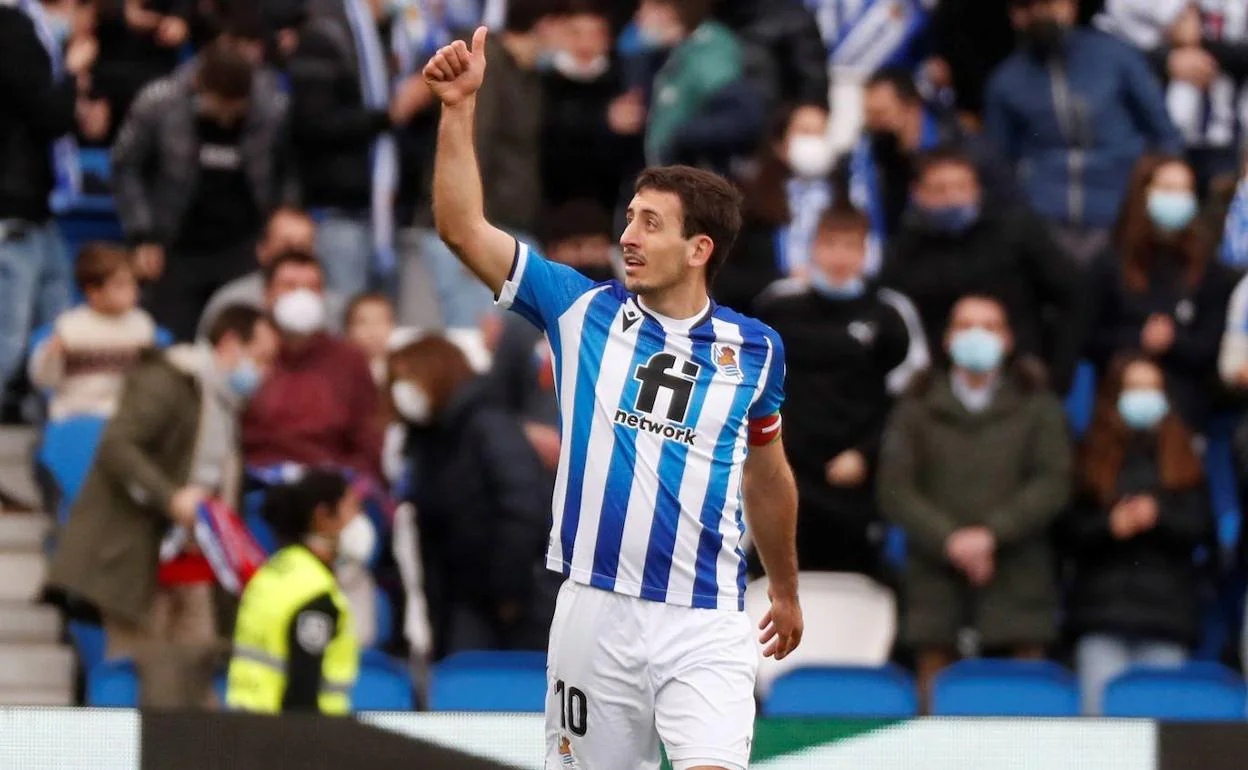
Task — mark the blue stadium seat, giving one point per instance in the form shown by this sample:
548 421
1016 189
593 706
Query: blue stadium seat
219 683
384 684
253 517
843 692
384 618
1081 399
1005 688
113 683
89 640
507 659
67 449
1195 692
490 686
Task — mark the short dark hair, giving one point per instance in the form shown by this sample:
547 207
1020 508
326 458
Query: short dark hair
523 15
840 219
225 72
901 81
944 155
240 320
97 262
290 257
574 219
360 300
710 205
246 22
289 507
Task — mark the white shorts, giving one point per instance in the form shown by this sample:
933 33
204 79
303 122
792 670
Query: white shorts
624 673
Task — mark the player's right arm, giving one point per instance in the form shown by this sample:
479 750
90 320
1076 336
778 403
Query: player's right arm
455 74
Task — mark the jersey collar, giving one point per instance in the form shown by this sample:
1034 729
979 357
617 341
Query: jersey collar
684 325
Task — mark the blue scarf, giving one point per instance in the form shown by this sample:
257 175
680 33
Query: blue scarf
864 188
808 199
1234 251
68 184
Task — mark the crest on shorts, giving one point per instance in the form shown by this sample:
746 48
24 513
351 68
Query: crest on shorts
565 753
726 361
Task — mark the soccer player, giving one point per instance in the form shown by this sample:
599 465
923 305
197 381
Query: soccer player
670 419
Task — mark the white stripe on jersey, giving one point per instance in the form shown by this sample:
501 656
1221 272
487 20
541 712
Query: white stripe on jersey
570 325
614 373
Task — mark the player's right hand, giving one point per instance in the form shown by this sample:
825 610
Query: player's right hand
456 71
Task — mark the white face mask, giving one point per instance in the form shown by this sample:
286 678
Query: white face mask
412 401
357 540
301 311
571 68
810 156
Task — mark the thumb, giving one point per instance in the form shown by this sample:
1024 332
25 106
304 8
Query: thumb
478 41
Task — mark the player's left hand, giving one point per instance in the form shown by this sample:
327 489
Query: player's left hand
782 627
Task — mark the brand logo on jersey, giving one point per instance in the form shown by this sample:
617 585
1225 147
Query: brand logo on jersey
863 331
726 361
631 317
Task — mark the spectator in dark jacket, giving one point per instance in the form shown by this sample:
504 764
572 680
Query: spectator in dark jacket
1141 511
850 349
481 504
954 243
876 175
40 87
971 39
786 60
343 115
1160 291
975 467
1072 109
197 173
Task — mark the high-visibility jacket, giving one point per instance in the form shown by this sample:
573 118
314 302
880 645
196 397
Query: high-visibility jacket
294 644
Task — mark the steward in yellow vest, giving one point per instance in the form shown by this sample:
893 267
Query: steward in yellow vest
294 645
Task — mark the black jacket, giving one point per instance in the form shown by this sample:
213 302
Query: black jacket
332 132
786 60
845 360
482 505
36 111
1118 315
581 156
1007 255
1148 585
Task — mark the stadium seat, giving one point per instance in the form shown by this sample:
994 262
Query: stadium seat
1195 692
89 640
505 659
67 449
861 692
384 684
851 620
113 683
1081 399
490 685
1005 688
253 517
383 618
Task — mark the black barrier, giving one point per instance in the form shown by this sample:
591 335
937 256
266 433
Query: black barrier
1182 746
189 741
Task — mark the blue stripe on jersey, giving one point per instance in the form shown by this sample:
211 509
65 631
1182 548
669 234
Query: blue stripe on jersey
741 572
711 540
672 463
650 340
593 344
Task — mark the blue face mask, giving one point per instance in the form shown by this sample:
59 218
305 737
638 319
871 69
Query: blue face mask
245 379
1143 409
976 350
546 60
1171 211
950 220
826 287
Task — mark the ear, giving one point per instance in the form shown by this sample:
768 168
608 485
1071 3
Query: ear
703 248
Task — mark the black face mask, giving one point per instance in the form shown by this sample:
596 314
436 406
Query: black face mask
1044 38
597 273
884 143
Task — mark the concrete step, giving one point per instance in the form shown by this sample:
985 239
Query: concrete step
16 467
36 668
24 532
27 697
29 623
21 576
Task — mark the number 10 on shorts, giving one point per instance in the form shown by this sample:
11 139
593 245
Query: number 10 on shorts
573 709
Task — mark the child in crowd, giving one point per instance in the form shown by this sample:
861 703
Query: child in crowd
370 322
84 361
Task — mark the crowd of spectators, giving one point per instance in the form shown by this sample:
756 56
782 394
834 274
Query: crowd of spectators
949 207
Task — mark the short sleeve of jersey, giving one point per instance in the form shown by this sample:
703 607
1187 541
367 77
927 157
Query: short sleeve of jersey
771 398
540 290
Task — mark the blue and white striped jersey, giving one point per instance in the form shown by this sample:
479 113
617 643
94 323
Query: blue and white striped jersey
654 416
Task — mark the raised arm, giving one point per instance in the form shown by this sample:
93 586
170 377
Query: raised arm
455 74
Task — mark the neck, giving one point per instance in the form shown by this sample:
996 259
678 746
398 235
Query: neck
321 547
975 380
681 302
296 343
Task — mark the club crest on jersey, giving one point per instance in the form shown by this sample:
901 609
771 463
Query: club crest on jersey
726 361
565 753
